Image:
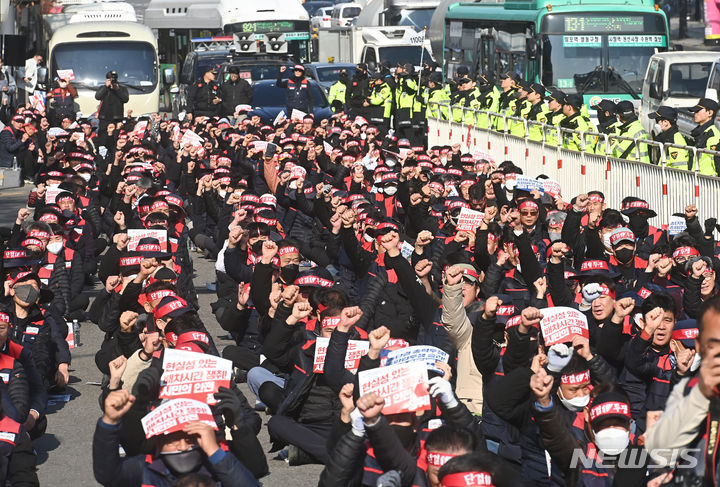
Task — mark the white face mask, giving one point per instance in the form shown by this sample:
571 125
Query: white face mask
368 238
696 362
612 441
55 247
657 128
85 175
222 193
510 184
390 190
606 240
576 404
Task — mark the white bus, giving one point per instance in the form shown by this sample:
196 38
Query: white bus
91 49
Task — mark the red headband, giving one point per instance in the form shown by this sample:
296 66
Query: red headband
591 265
148 248
38 234
129 261
685 252
644 205
14 254
173 305
612 407
685 334
437 459
313 281
267 221
331 321
288 250
596 198
573 379
155 295
606 291
467 479
4 318
528 204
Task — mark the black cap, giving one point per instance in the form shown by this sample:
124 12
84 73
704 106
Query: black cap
408 68
605 105
377 75
435 77
537 88
462 71
510 74
111 74
463 80
624 107
574 100
486 78
665 113
557 95
212 69
706 103
234 70
362 66
524 85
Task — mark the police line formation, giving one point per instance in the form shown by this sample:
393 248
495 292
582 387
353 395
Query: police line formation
402 315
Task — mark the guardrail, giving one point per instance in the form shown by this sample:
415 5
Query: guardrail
667 189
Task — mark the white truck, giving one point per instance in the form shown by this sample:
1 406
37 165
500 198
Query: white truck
373 45
677 79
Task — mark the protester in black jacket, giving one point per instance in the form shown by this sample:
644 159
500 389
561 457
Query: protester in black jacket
233 92
112 96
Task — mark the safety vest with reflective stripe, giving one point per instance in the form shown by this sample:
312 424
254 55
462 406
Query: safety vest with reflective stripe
517 127
678 158
551 129
438 95
629 149
489 102
465 100
537 113
337 92
711 139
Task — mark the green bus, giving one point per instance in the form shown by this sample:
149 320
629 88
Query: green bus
598 49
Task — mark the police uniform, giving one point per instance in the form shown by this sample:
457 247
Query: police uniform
707 136
675 157
632 129
201 98
538 113
436 95
608 124
576 122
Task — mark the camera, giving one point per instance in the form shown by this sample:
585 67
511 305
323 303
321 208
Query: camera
114 78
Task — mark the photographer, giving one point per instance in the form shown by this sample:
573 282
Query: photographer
113 98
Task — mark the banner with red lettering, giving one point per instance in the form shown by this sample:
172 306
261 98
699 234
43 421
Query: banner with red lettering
469 220
173 415
561 324
402 386
355 350
193 375
137 234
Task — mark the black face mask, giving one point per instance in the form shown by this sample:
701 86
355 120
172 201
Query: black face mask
257 247
27 293
639 225
183 462
289 273
405 434
34 254
624 255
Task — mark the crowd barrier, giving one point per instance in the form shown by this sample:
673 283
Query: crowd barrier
668 190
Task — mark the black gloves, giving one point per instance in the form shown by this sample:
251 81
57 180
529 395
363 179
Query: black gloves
710 224
147 385
230 406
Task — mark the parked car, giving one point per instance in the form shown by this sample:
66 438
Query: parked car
269 100
254 69
344 13
194 67
321 19
326 74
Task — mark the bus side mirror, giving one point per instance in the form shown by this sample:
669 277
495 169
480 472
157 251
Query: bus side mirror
169 76
654 92
711 93
42 73
531 48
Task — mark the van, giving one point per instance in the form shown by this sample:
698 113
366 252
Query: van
677 79
344 13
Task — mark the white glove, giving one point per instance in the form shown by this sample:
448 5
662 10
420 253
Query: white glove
559 356
356 420
442 391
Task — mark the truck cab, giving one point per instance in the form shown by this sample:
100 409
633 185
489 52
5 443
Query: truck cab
394 45
677 79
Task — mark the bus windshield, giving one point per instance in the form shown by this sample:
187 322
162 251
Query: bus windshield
134 61
403 55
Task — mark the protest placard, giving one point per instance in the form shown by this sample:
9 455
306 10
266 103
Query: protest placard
551 187
137 234
401 385
190 137
297 114
280 117
51 193
406 249
677 225
418 353
355 350
66 74
469 219
173 415
560 324
525 183
193 375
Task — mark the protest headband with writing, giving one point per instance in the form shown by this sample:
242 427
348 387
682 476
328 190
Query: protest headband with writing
437 459
4 318
437 186
148 247
168 308
330 322
313 281
291 249
467 479
643 205
267 221
596 198
385 225
685 334
591 265
193 336
33 241
606 291
574 379
38 234
613 408
14 254
685 252
159 294
530 204
471 273
49 218
19 276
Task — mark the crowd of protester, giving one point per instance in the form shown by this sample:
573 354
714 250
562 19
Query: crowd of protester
337 232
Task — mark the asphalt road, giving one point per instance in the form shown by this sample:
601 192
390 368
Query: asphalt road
65 451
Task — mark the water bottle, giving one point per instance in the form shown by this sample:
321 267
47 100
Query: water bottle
76 333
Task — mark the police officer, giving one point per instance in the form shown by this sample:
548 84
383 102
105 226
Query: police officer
298 95
629 126
204 96
607 122
436 94
453 84
488 98
359 91
555 105
339 91
379 102
572 106
522 108
666 120
538 112
506 103
465 97
706 135
406 87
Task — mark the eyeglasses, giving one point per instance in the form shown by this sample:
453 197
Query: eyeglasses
528 213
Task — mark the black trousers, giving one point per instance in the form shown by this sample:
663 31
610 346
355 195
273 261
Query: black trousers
311 437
